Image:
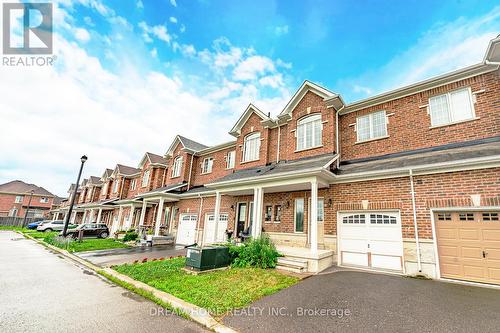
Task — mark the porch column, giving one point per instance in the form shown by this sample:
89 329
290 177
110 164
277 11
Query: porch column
143 212
258 201
314 216
159 215
84 216
73 217
120 213
54 217
216 214
65 215
91 218
131 216
99 215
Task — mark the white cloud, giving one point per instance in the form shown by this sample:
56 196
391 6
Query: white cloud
273 81
173 19
360 89
154 53
88 21
252 67
182 28
158 31
173 3
82 35
139 4
281 30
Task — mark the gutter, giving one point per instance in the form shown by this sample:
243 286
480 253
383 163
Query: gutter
487 62
415 224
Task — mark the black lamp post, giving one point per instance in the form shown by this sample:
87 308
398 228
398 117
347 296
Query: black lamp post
29 206
73 196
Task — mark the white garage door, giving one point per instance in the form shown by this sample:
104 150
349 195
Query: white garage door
186 231
371 239
210 229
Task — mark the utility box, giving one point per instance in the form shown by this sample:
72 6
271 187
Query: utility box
207 257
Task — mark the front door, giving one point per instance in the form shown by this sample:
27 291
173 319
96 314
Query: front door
242 216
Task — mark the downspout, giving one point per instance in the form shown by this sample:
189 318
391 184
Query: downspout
337 136
190 171
278 150
163 178
199 217
414 206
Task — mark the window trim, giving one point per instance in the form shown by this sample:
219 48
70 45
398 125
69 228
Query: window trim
133 184
295 216
275 211
176 167
370 117
145 179
116 184
270 216
209 165
230 160
245 146
301 122
450 111
21 199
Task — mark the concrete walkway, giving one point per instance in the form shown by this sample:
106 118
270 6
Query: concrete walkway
41 291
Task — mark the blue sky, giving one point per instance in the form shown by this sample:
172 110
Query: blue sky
130 75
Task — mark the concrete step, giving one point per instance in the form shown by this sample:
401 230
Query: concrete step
291 269
292 262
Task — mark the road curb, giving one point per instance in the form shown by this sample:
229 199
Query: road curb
194 312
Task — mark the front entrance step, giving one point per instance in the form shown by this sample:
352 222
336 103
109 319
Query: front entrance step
295 265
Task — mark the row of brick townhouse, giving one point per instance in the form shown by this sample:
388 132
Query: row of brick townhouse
18 197
406 181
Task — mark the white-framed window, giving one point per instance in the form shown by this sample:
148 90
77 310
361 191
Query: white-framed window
44 200
176 167
251 147
299 215
19 199
230 158
451 107
145 178
320 210
207 164
133 184
309 132
115 186
371 126
105 188
13 212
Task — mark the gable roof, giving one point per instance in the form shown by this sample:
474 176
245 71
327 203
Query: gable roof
493 51
72 188
236 130
301 92
18 186
126 170
188 144
153 159
93 180
107 173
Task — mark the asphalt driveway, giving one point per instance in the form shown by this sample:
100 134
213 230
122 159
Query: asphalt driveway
107 258
353 301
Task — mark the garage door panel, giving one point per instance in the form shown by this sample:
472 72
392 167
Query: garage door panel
469 234
472 252
447 233
386 262
494 274
385 247
448 250
354 245
491 235
354 258
492 254
474 271
451 269
383 233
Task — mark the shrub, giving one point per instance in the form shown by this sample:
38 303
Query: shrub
259 252
59 241
130 236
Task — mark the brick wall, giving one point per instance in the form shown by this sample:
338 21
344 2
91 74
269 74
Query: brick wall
218 170
7 202
252 125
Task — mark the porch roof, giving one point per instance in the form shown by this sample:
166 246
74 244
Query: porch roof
163 190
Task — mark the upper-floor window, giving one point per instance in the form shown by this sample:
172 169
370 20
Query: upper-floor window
145 178
371 126
230 157
104 189
115 186
19 199
309 132
133 184
89 193
206 166
451 107
44 200
176 167
251 147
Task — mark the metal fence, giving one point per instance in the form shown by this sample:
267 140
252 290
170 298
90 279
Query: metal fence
17 221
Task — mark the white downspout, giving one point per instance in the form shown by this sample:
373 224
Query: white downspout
278 150
190 171
337 135
199 219
414 206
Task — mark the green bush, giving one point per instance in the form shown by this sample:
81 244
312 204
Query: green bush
259 252
130 236
59 241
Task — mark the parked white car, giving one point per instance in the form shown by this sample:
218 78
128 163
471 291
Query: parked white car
56 225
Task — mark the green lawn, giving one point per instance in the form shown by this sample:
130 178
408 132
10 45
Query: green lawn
87 244
8 227
218 291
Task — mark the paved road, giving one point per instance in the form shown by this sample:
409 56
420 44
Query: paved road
377 303
41 291
106 258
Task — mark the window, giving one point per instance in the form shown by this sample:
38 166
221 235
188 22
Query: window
354 219
206 166
115 186
89 193
382 219
251 147
371 126
268 213
105 189
444 217
452 107
44 200
466 216
145 178
19 198
176 167
309 132
277 213
299 215
133 184
321 210
489 217
230 158
13 212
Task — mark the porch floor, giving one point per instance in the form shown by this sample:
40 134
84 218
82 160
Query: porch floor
303 252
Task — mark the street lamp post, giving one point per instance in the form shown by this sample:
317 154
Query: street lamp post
83 159
29 206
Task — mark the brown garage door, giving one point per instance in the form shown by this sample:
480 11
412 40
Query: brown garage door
469 245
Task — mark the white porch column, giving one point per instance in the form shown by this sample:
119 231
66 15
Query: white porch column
73 217
159 215
258 202
84 216
314 216
65 215
54 217
130 217
143 212
120 213
91 218
218 197
99 215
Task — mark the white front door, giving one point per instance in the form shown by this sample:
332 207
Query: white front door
371 239
208 233
186 231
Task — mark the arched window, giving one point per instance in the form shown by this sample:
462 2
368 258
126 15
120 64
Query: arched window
309 132
251 147
176 167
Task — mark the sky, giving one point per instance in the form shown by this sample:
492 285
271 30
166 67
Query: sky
129 75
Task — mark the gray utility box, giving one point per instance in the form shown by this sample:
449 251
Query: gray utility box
207 257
